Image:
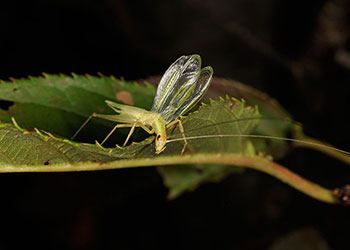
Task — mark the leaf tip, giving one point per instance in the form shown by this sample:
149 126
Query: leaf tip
234 99
100 74
45 75
12 79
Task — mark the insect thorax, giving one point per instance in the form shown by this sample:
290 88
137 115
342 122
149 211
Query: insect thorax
158 124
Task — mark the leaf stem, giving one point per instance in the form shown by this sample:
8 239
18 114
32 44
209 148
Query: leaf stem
317 145
258 163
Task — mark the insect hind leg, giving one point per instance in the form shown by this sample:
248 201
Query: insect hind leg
83 125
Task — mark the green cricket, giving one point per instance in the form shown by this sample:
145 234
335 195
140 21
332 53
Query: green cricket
181 87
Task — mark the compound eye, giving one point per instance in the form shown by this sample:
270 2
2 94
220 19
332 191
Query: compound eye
158 137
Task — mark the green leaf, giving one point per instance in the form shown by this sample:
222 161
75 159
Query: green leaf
275 120
22 148
46 150
188 177
60 104
27 151
211 120
25 144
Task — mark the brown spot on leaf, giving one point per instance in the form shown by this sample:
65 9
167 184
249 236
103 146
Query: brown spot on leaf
233 106
125 97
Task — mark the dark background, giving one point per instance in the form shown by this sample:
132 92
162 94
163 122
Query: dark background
296 51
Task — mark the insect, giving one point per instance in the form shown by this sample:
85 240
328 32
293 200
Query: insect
181 87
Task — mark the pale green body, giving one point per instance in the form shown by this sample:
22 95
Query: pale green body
133 117
181 87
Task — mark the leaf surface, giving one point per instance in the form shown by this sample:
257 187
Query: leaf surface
37 147
44 152
211 120
275 120
60 104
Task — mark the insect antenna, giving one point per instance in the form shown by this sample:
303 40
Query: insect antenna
285 120
271 137
261 136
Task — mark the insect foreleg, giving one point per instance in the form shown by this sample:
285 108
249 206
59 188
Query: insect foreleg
182 130
144 127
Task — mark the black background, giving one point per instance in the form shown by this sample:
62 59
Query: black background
288 49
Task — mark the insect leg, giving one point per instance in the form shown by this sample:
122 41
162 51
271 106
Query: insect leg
150 131
181 127
133 126
119 126
182 130
130 133
83 125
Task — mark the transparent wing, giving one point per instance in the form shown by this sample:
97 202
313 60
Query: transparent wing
167 82
185 100
180 75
